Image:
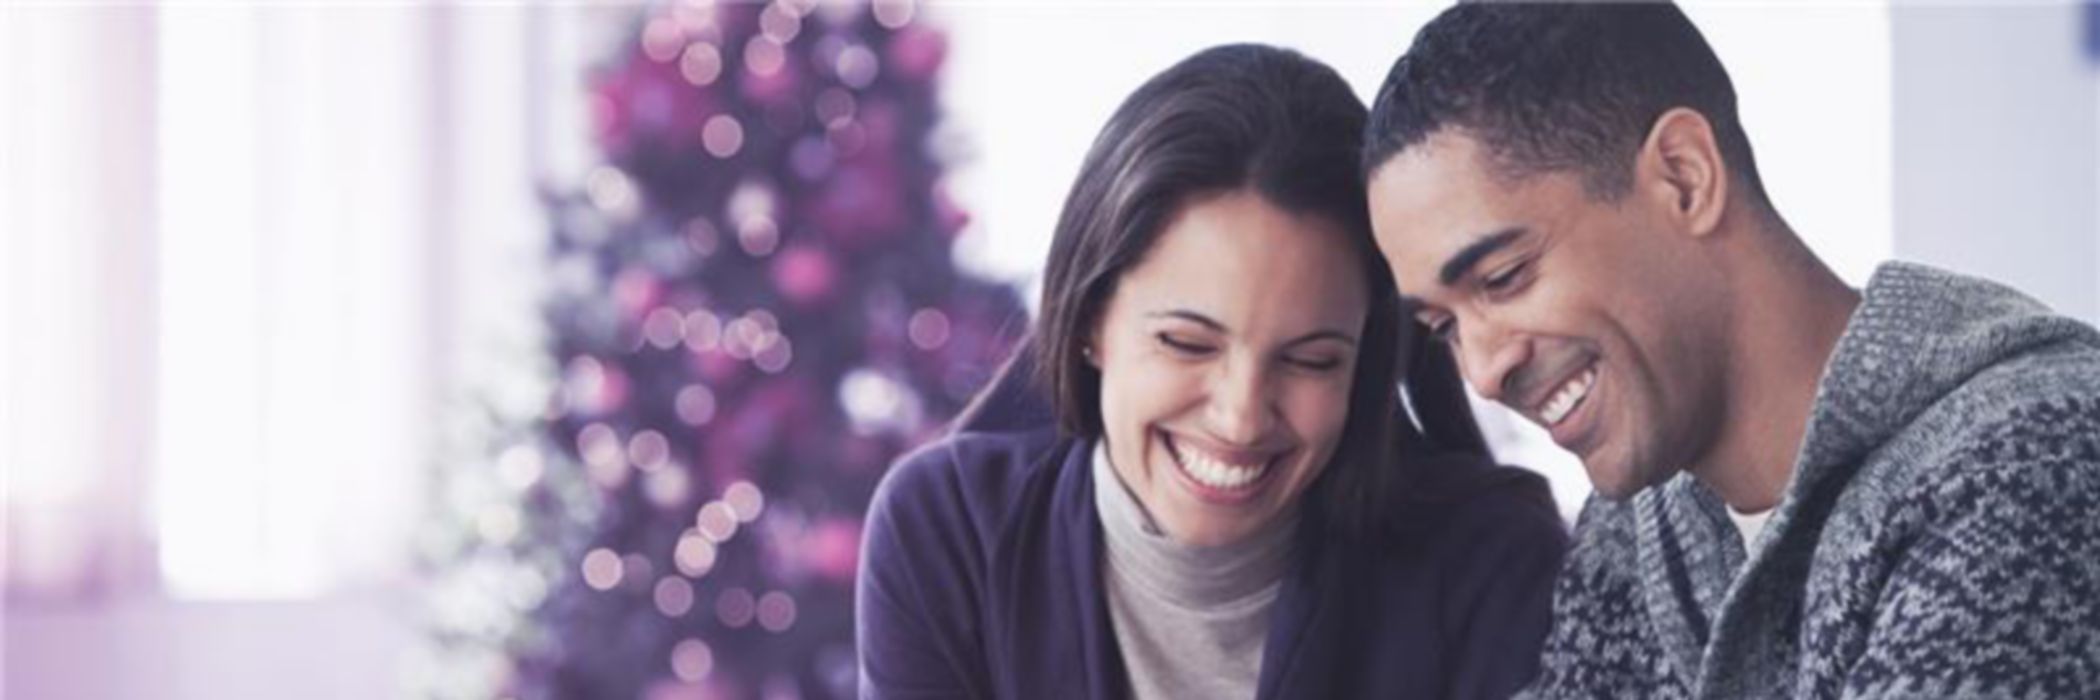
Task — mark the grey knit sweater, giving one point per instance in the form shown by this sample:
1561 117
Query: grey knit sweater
1940 536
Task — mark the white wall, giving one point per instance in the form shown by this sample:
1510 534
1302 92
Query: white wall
1997 158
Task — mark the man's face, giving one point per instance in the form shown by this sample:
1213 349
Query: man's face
1592 318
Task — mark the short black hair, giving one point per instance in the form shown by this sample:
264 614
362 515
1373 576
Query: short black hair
1548 87
1288 128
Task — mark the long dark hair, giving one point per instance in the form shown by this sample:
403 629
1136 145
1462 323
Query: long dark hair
1289 128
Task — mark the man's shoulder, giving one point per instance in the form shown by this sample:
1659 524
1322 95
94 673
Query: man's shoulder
1991 531
2034 408
2013 453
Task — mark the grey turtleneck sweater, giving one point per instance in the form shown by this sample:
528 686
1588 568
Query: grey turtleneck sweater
1190 620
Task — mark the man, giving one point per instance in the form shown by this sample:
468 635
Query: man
1804 490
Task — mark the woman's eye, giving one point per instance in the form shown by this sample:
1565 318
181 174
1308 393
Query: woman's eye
1184 346
1316 364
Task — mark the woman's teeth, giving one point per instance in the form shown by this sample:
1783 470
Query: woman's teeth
1568 397
1215 473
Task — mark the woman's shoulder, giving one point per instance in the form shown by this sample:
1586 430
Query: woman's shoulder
1467 508
1505 526
973 461
970 478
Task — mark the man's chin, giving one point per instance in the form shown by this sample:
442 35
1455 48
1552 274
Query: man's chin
1617 482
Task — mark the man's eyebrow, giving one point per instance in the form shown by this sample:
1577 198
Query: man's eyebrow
1463 262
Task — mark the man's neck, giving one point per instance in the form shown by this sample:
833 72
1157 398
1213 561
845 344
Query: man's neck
1790 311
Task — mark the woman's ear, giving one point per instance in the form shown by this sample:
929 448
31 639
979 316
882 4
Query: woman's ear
1091 344
1680 164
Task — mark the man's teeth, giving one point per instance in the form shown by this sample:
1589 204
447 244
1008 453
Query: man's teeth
1566 398
1211 472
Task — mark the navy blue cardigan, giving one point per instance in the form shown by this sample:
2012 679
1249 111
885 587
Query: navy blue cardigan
981 578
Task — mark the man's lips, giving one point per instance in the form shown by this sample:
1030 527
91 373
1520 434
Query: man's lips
1548 393
1566 397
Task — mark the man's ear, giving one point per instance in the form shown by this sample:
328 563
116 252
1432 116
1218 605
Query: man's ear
1680 164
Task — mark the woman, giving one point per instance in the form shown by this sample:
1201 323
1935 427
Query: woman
1230 503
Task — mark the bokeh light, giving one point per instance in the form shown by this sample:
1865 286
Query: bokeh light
745 500
603 459
673 596
735 607
928 329
758 236
700 63
695 555
776 611
857 66
722 136
716 521
775 356
702 237
649 450
692 660
662 37
695 405
667 488
602 569
763 56
664 328
520 467
893 14
612 192
703 331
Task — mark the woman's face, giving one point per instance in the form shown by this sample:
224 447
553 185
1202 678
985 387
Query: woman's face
1226 355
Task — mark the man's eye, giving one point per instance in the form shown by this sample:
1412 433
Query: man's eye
1185 347
1506 278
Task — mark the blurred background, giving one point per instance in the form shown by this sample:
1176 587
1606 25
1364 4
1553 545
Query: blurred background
500 350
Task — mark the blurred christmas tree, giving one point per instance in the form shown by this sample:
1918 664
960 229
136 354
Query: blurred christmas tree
753 310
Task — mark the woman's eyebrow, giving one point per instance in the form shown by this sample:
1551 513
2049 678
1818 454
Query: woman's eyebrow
1215 326
1327 334
1192 317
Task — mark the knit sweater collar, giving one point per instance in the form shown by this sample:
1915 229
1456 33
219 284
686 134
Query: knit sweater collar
1917 335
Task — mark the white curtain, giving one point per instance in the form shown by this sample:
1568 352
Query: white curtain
248 251
76 295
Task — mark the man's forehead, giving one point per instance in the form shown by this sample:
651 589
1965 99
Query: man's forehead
1445 149
1422 221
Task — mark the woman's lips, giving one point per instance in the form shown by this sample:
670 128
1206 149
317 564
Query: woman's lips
1221 476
